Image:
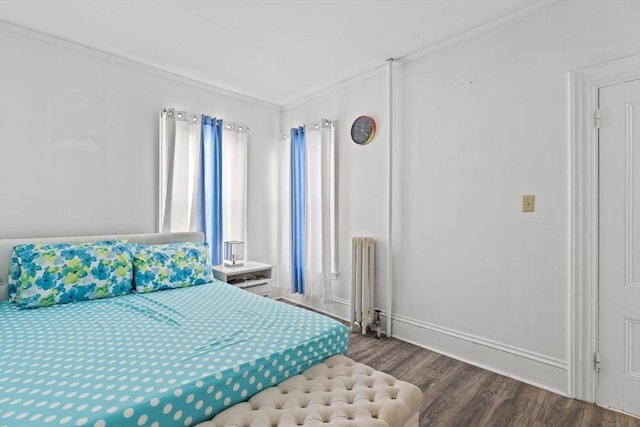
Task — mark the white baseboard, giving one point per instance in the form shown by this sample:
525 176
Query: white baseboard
523 365
535 369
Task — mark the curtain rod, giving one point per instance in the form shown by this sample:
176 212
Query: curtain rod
313 126
182 115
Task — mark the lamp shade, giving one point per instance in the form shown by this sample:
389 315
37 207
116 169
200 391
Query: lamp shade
233 252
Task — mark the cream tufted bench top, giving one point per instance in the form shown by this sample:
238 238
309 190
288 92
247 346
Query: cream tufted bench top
338 392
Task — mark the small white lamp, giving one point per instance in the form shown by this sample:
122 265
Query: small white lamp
233 251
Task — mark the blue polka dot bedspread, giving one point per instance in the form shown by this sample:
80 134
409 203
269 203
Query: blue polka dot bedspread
167 358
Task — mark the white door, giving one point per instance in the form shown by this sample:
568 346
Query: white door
619 247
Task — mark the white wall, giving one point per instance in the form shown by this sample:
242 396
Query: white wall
474 276
79 138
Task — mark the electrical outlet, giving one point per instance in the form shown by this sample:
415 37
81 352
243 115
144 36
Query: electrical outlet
528 203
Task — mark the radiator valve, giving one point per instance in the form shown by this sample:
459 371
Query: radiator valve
377 323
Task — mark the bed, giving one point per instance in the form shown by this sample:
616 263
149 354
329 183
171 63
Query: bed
167 358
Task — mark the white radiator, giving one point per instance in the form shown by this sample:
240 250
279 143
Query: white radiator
362 280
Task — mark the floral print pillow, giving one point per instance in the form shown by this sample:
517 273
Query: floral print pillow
173 265
41 275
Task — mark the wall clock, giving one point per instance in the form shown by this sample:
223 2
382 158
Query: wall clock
363 129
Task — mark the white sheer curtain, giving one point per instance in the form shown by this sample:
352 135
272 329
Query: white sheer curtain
179 168
284 217
320 205
234 184
317 280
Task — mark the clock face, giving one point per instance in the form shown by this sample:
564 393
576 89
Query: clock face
363 129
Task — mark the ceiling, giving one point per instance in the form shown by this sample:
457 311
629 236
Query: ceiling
278 51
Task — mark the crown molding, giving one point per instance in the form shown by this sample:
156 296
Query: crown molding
4 25
427 50
336 86
58 41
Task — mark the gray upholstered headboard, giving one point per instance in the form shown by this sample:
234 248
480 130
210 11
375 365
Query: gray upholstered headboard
6 246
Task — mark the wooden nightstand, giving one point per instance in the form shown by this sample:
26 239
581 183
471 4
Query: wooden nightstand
252 276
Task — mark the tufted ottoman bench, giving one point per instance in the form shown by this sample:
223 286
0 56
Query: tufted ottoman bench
337 392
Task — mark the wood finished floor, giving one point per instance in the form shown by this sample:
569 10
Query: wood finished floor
461 395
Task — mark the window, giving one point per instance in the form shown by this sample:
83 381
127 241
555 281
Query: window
203 178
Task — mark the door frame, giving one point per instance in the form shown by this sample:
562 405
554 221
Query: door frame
583 310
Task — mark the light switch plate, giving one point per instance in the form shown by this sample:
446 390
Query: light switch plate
528 203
